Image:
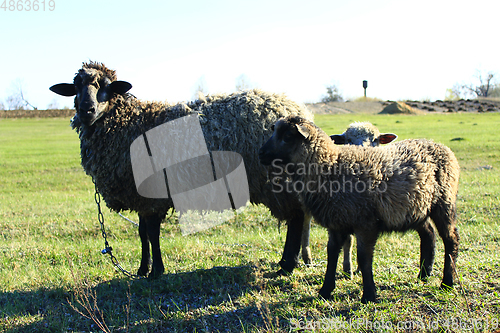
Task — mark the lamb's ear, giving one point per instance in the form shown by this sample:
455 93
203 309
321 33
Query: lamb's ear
64 89
303 130
119 87
338 139
387 138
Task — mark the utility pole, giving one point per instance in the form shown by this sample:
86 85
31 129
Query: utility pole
365 85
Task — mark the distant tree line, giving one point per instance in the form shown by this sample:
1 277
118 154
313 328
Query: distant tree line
16 99
484 85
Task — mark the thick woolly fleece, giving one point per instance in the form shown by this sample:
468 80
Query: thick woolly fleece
354 189
404 180
239 122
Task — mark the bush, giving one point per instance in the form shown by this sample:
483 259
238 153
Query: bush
332 95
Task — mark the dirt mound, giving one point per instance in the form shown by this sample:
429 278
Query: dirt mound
400 108
345 107
418 107
463 105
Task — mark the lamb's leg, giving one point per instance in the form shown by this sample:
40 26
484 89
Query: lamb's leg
290 257
306 250
427 249
366 243
445 220
146 258
347 263
335 241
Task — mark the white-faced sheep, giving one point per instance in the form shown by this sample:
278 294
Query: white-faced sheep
367 191
360 134
108 120
363 134
367 135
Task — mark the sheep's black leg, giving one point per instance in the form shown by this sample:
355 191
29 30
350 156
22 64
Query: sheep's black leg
347 263
445 220
427 249
290 257
335 241
153 223
146 258
366 244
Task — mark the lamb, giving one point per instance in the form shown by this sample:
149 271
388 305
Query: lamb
363 134
108 119
367 135
371 190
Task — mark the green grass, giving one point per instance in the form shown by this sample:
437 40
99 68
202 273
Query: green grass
54 279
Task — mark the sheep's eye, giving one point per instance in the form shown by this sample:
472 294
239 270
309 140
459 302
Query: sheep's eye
104 82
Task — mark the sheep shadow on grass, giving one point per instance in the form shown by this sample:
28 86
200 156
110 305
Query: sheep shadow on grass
201 299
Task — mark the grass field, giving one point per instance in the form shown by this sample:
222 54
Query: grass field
54 279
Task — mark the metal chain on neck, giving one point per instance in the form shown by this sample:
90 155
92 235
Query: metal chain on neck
107 248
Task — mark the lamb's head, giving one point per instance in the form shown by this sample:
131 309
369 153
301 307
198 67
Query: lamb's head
93 87
363 134
290 142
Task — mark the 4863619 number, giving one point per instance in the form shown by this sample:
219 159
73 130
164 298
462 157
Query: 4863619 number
28 5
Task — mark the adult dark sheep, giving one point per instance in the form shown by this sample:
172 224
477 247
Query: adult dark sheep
367 191
108 119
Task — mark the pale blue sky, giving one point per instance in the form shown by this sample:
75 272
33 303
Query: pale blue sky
405 49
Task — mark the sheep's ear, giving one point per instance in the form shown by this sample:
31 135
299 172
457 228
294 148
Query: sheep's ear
119 87
338 139
64 89
303 130
386 138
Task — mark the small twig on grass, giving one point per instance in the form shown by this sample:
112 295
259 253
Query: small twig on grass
461 286
87 300
264 311
427 304
127 307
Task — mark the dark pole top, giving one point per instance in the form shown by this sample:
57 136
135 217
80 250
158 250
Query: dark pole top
365 84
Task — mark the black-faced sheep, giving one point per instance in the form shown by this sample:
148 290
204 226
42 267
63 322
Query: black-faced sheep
367 191
108 120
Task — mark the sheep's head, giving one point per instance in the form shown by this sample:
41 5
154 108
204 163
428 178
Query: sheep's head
363 134
93 87
288 142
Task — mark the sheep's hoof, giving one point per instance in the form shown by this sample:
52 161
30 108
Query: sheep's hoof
143 271
347 275
446 287
156 273
283 272
324 294
287 267
307 257
423 275
423 278
367 299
